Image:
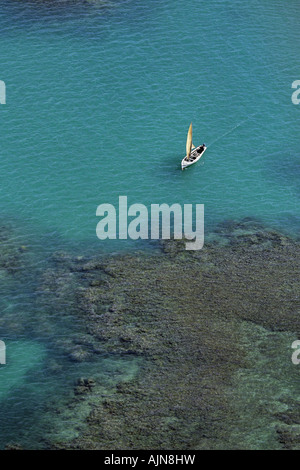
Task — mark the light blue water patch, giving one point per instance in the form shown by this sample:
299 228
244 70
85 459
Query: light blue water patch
33 386
21 357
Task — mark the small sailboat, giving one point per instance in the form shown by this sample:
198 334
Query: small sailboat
193 154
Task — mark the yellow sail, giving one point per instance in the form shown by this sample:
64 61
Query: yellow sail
189 141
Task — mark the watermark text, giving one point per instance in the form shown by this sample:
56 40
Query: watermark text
296 94
2 92
162 220
2 352
296 354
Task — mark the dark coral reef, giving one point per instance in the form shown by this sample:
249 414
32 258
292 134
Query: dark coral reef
213 327
208 334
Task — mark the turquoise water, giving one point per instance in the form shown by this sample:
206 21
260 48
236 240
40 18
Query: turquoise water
99 100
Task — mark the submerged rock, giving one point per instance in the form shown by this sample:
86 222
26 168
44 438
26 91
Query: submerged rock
10 250
84 386
13 446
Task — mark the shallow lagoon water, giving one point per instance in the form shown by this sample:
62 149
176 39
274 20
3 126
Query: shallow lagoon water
99 100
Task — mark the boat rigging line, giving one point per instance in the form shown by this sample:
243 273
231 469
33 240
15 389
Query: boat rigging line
231 130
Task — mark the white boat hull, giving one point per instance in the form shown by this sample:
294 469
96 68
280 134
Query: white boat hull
194 157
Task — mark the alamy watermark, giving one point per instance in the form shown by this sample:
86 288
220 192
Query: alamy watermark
296 94
296 354
2 352
2 92
154 225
